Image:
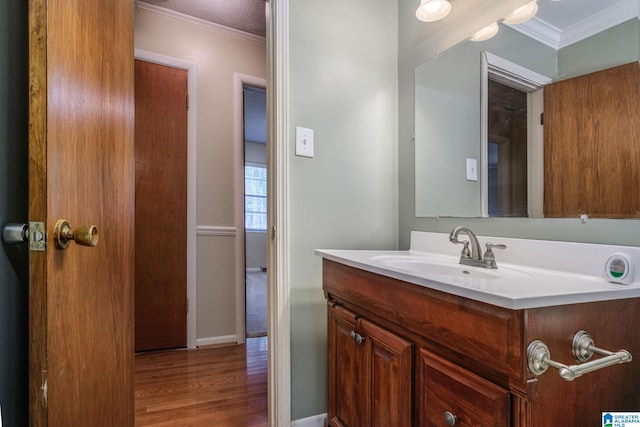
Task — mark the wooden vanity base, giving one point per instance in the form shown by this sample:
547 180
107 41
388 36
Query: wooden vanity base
401 354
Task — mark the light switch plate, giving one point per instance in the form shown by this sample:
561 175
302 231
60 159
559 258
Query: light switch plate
472 169
304 142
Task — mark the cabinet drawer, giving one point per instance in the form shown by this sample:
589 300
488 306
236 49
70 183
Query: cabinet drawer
451 393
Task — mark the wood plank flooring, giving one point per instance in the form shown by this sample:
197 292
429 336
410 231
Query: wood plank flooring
222 387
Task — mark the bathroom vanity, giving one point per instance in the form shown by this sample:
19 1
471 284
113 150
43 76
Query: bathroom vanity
411 348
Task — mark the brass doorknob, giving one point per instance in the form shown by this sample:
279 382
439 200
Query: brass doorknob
63 234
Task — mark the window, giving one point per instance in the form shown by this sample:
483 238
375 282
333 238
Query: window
255 198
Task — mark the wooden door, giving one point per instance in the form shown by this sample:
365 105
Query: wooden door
591 150
81 115
161 206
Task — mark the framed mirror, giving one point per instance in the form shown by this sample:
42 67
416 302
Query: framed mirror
449 121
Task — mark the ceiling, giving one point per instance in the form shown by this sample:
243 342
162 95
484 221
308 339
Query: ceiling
558 22
243 15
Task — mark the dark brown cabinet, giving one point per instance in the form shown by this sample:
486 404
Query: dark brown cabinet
451 395
372 373
401 354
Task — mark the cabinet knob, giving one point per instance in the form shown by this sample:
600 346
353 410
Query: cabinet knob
359 339
449 418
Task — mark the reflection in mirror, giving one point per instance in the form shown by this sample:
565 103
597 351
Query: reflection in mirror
507 150
448 124
511 103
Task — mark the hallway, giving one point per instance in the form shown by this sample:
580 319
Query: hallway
223 387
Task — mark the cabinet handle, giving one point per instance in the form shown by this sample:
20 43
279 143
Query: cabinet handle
539 358
359 339
449 418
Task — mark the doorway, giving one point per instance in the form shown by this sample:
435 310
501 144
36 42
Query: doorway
188 190
255 208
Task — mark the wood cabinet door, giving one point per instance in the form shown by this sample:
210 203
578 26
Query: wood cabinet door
81 114
343 404
386 369
449 393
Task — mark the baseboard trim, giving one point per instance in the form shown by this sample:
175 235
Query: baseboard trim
315 421
224 339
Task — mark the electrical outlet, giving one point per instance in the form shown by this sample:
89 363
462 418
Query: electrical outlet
304 142
472 170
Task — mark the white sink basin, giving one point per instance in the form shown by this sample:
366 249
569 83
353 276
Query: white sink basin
544 281
434 266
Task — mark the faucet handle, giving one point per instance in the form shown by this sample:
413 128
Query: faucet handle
491 246
466 252
490 257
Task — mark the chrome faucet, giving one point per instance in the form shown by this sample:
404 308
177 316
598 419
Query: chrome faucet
474 256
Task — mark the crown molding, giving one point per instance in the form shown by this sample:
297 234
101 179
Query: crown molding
557 38
199 22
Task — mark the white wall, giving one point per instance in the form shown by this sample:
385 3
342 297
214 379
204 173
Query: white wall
218 55
343 85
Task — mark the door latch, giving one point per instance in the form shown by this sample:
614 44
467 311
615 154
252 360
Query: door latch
34 233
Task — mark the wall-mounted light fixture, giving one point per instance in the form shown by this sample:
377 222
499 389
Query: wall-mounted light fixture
433 10
522 14
518 16
486 33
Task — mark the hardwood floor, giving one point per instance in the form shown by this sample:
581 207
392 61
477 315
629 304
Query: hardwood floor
222 387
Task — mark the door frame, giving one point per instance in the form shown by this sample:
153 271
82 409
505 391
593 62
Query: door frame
239 81
278 251
192 73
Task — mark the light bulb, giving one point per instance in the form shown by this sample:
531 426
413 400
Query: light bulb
486 33
522 14
433 10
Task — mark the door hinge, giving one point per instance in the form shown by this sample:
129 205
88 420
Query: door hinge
542 119
273 232
187 101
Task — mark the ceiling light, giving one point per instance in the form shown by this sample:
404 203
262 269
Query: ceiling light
433 10
522 14
486 33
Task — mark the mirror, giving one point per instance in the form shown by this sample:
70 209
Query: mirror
448 92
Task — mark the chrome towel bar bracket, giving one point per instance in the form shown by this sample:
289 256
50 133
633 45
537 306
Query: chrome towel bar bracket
539 358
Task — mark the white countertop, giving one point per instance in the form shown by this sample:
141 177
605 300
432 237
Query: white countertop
559 272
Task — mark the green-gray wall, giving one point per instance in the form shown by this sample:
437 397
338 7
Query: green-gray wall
13 208
343 85
412 53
